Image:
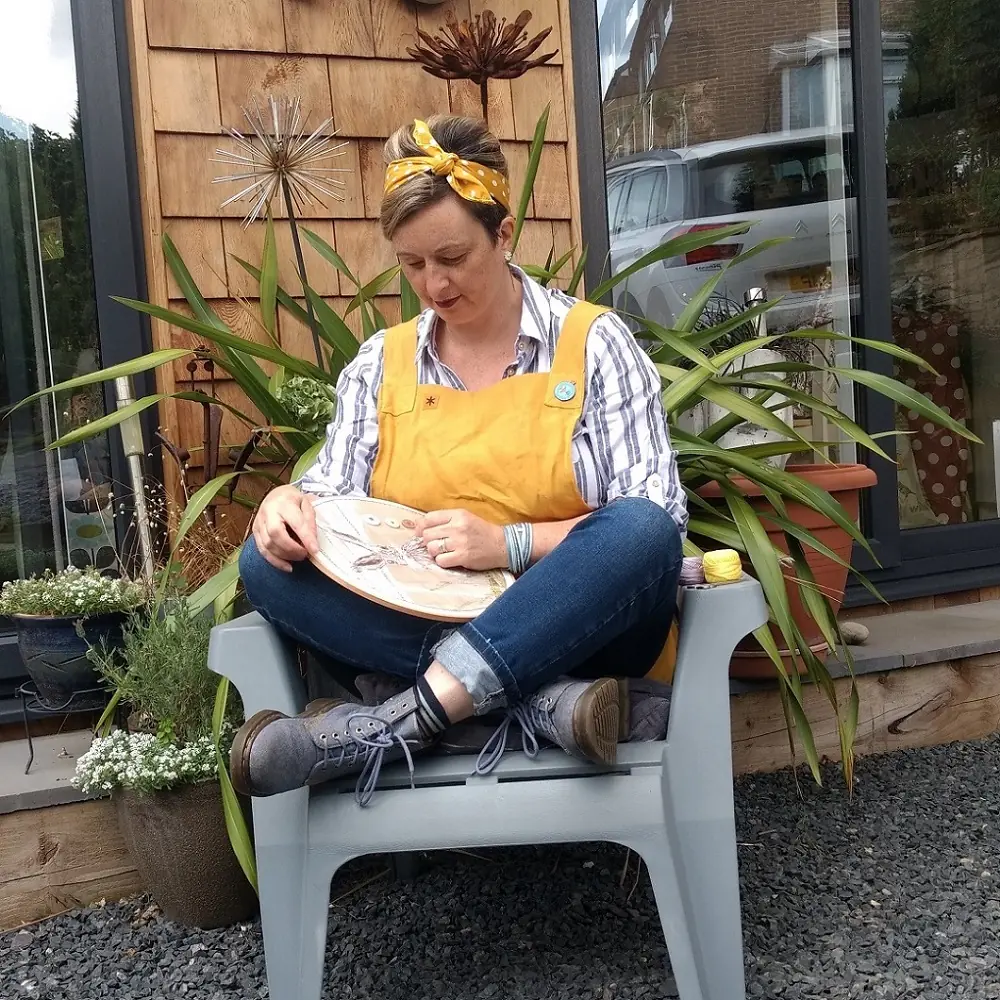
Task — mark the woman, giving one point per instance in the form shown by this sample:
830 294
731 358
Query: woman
530 428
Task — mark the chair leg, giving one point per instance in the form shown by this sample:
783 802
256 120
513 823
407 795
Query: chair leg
698 813
288 911
674 918
315 911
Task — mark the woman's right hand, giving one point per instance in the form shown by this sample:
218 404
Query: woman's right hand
285 527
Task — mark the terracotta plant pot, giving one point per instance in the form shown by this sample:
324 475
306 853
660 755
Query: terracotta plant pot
845 483
55 657
179 843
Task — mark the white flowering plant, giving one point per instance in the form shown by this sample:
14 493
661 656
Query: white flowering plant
144 762
75 593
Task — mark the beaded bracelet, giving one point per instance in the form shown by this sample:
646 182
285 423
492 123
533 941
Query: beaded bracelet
519 539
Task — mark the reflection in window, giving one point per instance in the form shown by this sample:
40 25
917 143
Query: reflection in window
943 152
55 505
700 132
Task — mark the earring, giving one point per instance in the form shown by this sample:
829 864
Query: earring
508 255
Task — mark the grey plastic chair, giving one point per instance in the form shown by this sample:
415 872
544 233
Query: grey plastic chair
671 802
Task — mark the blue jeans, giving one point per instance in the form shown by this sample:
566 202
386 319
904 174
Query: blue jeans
600 604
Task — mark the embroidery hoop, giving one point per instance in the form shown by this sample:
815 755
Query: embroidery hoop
395 568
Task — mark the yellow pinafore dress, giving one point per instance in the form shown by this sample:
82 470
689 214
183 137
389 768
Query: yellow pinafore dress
504 453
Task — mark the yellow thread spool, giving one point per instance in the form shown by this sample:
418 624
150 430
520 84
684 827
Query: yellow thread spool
722 566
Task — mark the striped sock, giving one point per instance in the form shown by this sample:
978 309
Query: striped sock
432 719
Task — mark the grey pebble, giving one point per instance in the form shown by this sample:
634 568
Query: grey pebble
22 940
882 898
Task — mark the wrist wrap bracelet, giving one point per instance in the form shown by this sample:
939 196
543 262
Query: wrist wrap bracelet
519 539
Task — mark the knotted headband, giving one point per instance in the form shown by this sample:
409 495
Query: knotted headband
469 180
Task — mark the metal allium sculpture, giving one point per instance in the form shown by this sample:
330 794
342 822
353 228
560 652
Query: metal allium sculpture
481 50
280 158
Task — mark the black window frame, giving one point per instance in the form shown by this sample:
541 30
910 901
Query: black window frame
916 562
100 39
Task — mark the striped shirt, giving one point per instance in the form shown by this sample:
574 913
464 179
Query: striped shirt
621 445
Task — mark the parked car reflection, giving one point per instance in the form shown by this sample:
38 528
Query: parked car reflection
789 184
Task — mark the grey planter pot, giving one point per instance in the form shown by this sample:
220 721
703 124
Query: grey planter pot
55 657
179 843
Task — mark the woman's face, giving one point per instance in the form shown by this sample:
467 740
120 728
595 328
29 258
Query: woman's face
451 262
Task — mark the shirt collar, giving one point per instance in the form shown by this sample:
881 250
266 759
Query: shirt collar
536 315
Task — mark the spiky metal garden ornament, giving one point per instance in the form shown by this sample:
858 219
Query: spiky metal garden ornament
279 156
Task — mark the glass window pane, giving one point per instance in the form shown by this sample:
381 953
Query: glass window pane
712 132
942 90
55 505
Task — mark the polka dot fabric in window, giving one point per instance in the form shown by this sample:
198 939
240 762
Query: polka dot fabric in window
942 460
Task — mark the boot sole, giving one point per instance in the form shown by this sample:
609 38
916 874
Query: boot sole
239 756
597 721
624 710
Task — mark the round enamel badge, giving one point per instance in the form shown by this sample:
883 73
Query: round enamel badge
565 391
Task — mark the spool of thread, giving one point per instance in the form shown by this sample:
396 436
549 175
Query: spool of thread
722 566
692 573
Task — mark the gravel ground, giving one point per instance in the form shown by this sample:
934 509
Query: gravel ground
894 896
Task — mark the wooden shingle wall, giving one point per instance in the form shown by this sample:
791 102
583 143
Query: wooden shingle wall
196 63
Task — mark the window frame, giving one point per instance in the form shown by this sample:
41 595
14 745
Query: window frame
912 563
100 40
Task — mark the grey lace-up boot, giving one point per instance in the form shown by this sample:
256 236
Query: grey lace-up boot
273 753
582 717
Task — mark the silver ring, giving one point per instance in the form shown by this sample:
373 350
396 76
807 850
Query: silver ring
444 546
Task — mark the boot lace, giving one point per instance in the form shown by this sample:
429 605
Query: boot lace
534 716
371 747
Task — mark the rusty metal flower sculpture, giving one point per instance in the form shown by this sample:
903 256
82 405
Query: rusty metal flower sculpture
481 50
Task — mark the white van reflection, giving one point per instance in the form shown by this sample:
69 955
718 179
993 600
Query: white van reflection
790 184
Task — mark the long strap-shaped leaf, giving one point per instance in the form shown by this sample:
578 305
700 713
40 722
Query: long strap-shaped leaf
224 338
750 411
794 487
883 346
335 331
695 309
767 566
331 256
124 368
685 383
837 417
306 460
908 398
531 172
249 370
701 339
106 422
206 595
269 280
676 247
409 303
198 503
236 827
373 288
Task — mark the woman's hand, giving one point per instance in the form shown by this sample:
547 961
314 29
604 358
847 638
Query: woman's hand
285 527
458 538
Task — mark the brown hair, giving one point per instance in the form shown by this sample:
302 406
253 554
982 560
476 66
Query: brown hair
468 138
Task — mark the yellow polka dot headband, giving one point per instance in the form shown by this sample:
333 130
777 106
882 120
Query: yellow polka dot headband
469 180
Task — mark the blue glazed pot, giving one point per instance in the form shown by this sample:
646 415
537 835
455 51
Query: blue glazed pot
56 657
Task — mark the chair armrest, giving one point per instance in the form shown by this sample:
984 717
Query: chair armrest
713 621
260 662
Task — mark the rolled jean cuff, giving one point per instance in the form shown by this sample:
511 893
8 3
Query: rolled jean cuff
473 662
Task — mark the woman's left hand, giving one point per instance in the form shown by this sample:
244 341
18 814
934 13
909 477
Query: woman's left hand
458 538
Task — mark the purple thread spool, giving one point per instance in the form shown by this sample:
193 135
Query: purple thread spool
692 572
